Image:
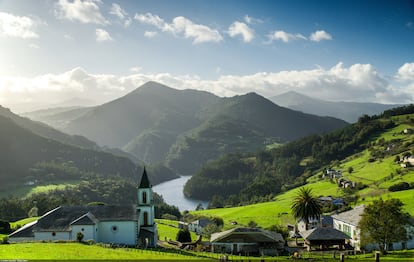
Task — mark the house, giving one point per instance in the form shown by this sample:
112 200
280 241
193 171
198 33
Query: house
347 222
247 241
324 237
124 225
198 225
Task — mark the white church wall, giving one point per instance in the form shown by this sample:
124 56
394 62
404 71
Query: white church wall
88 231
119 232
52 236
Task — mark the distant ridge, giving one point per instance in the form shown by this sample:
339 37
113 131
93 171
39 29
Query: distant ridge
348 111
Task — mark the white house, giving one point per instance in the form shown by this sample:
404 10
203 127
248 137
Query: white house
127 225
347 222
197 226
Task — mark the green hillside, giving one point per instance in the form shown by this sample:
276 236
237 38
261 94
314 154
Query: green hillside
373 167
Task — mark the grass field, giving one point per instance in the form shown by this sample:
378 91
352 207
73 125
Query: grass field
168 229
76 251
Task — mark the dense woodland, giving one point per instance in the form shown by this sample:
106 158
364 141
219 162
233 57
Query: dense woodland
247 178
95 190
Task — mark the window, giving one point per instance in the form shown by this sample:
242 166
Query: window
114 228
53 234
145 218
144 197
347 230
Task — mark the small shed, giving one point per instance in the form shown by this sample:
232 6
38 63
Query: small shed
247 241
324 238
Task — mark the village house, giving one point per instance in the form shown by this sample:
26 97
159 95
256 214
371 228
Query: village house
347 222
247 241
132 225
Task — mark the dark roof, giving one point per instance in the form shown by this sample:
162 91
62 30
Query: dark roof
87 219
247 235
145 183
60 219
324 233
25 231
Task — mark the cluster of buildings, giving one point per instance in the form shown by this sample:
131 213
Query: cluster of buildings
342 230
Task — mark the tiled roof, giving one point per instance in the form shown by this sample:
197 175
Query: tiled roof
323 233
60 219
253 234
352 216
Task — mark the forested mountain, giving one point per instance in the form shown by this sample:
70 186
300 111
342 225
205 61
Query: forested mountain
186 128
25 156
239 178
243 123
47 131
348 111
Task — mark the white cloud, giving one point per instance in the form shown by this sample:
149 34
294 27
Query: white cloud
102 35
17 26
319 36
406 72
84 11
182 26
285 37
150 34
252 20
150 19
239 28
117 10
358 82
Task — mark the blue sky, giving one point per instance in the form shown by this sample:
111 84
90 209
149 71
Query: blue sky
93 51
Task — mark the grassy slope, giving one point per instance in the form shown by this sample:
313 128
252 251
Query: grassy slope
376 175
168 229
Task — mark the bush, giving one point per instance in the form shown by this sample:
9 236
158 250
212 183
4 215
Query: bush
183 236
5 227
79 236
399 187
4 240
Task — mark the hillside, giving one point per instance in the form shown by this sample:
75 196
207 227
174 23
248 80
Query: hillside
187 128
375 169
348 111
46 131
22 150
376 142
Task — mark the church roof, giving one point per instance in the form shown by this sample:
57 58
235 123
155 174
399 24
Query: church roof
61 218
145 183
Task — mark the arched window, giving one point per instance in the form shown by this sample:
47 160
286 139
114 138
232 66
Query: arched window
144 197
145 218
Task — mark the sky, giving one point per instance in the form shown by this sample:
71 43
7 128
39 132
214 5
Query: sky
88 52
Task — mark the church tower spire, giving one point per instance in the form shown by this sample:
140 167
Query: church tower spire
146 214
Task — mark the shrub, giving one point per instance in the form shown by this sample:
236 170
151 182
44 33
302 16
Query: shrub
399 187
183 235
79 236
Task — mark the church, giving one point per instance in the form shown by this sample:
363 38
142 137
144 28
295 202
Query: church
131 225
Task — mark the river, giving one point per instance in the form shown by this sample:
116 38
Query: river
172 192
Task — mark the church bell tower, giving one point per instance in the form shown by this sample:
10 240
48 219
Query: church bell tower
147 235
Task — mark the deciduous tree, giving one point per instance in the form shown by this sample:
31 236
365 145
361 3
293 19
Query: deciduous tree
383 223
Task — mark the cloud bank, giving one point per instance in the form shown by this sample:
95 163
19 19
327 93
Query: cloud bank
359 82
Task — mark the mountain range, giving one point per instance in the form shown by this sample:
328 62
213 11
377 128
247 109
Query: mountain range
186 128
348 111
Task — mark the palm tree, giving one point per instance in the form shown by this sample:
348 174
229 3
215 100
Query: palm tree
305 206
